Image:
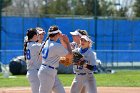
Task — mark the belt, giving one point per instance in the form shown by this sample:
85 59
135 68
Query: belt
83 73
49 66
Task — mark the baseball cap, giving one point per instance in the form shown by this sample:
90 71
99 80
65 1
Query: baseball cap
75 33
40 30
54 32
86 38
83 32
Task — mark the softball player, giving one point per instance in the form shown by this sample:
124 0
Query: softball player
31 53
51 54
41 34
76 35
84 74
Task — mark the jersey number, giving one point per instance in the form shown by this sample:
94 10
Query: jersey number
78 67
28 56
45 53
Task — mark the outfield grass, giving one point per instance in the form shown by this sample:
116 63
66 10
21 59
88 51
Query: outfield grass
119 79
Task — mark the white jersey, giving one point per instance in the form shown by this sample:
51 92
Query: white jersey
89 56
32 55
52 52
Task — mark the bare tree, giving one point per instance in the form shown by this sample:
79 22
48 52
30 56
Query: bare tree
24 7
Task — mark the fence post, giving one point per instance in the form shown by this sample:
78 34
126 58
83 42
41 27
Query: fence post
95 24
1 2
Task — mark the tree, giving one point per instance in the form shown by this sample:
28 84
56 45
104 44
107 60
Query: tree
112 9
90 7
122 12
105 8
6 3
80 8
22 7
56 7
136 8
77 7
83 7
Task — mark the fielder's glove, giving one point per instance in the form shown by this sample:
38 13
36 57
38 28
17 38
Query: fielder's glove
65 61
78 58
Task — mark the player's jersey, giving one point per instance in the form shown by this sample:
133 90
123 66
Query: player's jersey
89 56
74 45
52 52
32 55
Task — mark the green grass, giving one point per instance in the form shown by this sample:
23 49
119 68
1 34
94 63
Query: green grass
20 80
119 79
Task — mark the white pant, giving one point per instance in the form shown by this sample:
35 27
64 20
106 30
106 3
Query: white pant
49 81
84 81
58 88
32 76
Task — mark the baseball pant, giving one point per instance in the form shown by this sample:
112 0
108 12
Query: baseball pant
32 76
58 88
49 81
84 81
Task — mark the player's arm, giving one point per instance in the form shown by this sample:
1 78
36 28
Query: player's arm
92 62
65 42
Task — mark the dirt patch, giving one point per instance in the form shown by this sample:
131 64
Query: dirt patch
100 90
118 89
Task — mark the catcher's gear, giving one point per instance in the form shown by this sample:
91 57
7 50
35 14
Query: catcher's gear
65 61
78 58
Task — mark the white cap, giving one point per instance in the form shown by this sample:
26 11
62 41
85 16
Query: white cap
75 33
86 38
54 32
40 30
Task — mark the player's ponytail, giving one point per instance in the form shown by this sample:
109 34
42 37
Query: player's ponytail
25 45
29 35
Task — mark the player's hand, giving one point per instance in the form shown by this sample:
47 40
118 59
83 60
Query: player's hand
85 66
65 38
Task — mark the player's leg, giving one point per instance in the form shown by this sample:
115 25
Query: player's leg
34 81
58 88
91 84
47 79
77 85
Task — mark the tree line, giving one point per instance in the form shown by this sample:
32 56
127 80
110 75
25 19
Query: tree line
75 7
